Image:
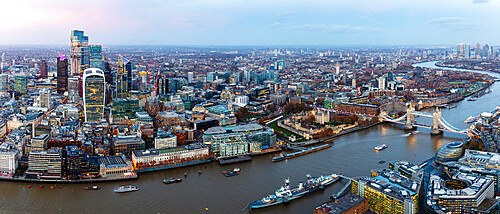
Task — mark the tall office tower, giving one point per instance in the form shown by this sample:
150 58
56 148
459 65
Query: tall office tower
478 50
210 76
62 74
4 82
143 80
20 84
463 50
247 75
190 77
93 94
79 52
492 51
107 73
123 83
337 69
95 57
381 83
466 51
44 98
43 69
2 62
485 51
354 80
161 85
73 90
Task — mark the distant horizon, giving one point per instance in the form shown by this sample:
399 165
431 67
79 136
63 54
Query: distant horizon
261 46
252 23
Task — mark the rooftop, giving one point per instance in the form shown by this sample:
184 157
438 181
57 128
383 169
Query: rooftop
341 205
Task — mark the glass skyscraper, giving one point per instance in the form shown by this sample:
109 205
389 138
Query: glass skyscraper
93 94
79 52
96 58
20 84
123 77
62 74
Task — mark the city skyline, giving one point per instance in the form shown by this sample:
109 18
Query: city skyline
213 22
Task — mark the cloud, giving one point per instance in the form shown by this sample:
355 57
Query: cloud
285 14
454 23
480 1
324 28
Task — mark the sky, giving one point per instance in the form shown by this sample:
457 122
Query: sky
252 22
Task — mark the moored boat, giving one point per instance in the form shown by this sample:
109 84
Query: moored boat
128 188
285 194
229 173
92 188
172 180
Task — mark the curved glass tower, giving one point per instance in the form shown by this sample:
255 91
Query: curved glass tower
93 94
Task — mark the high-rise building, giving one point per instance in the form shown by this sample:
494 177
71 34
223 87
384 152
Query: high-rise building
45 99
43 69
463 50
478 50
79 52
20 84
93 94
123 77
95 57
73 89
62 74
190 77
486 51
161 85
210 76
4 82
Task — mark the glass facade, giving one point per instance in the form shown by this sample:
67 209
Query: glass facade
62 74
94 94
449 152
96 58
79 52
123 77
20 84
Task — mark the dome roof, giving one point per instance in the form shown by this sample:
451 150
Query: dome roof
449 152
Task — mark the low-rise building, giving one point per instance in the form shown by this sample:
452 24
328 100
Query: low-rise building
126 144
152 158
165 140
45 163
115 167
388 192
8 162
348 204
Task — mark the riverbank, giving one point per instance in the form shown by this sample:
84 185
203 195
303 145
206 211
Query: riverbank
97 180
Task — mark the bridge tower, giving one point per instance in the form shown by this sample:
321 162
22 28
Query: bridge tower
436 117
410 118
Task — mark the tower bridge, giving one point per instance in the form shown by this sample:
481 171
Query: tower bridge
439 124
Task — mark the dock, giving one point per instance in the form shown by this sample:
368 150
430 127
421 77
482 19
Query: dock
234 159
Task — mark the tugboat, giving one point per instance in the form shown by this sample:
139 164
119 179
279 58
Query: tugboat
381 147
128 188
229 173
285 194
92 188
172 180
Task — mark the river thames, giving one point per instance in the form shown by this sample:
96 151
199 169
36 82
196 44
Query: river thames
352 154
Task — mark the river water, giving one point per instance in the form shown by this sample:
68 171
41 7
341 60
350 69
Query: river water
352 155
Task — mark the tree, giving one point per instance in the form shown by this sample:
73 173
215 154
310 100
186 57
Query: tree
320 101
240 116
271 107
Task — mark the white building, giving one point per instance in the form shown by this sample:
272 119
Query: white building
241 101
165 140
8 162
190 77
